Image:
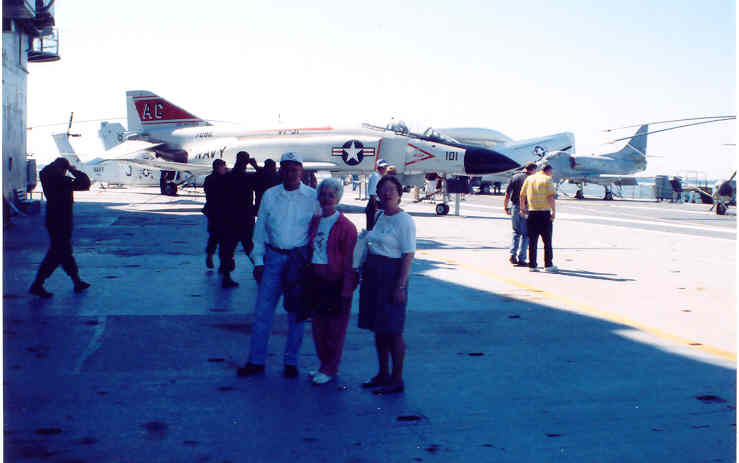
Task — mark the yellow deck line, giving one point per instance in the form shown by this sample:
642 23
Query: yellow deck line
602 314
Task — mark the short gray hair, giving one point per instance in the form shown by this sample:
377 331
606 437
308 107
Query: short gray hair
332 183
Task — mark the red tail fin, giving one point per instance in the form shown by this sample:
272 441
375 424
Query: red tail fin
145 109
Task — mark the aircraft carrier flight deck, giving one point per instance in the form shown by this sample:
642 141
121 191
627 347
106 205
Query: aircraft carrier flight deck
628 353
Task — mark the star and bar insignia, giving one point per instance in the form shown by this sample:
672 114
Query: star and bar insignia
352 152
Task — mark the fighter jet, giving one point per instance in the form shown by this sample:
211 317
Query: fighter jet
164 136
606 169
478 140
523 151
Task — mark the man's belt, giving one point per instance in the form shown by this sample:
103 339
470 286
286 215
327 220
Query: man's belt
279 250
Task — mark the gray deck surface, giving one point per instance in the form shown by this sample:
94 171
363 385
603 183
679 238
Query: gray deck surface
627 355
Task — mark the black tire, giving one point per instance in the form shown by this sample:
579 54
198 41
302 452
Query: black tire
170 189
720 209
442 209
608 196
579 195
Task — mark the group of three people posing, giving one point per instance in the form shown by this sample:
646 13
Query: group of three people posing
299 231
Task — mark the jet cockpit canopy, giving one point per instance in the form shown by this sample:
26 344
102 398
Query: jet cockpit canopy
432 134
398 127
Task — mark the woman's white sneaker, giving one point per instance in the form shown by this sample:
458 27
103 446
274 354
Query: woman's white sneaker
551 269
321 378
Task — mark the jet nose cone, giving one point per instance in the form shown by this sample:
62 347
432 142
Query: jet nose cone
481 161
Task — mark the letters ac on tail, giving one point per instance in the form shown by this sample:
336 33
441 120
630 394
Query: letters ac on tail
145 109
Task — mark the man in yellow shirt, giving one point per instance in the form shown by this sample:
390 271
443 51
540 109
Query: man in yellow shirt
537 200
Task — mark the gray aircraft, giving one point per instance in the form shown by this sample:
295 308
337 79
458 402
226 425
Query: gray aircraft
606 169
99 169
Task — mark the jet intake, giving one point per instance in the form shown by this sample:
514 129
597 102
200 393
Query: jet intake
482 161
172 155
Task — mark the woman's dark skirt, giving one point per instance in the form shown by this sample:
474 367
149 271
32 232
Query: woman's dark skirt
377 312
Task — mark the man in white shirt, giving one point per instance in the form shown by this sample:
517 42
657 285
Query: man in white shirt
371 209
281 230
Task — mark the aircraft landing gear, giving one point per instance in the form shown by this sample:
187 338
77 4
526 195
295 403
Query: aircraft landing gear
609 194
579 193
170 189
166 185
720 208
442 209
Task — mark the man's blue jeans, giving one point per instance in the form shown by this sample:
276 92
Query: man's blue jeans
268 295
520 234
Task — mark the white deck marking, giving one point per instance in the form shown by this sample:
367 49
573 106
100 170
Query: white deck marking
92 346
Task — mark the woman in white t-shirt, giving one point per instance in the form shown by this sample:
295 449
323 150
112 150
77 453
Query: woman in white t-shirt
333 279
383 292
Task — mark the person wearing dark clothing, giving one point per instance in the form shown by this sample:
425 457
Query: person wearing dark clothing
242 186
309 178
213 199
217 210
59 190
677 190
267 177
370 210
241 214
520 245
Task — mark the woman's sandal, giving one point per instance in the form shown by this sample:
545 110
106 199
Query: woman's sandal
390 389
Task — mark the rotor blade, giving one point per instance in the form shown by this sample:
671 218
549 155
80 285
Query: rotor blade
667 122
79 122
71 116
673 128
732 176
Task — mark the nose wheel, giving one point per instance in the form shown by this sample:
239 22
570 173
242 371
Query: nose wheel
608 196
166 185
442 209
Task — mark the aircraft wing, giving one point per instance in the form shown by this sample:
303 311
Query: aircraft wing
161 164
313 165
130 147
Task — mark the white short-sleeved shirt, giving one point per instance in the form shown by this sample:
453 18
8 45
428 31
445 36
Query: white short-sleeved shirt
372 185
393 235
284 218
320 251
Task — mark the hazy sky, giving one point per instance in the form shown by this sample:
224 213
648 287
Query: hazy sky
524 68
